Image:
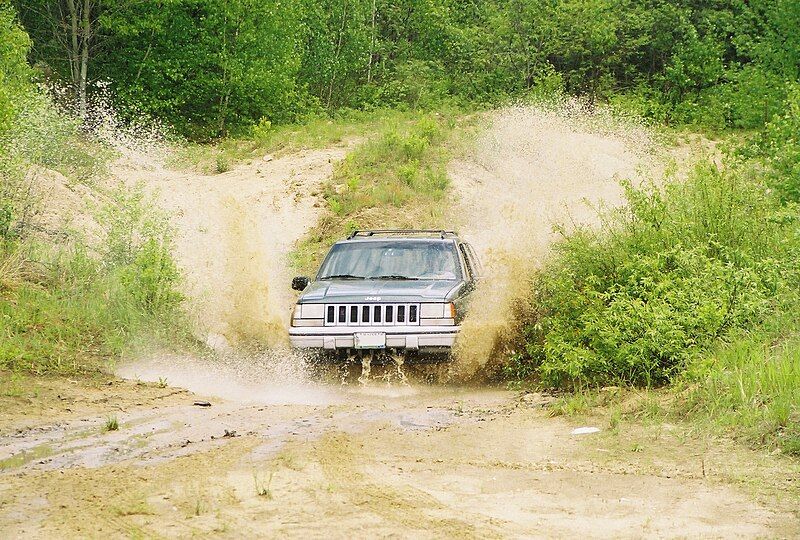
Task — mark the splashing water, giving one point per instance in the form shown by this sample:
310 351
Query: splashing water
274 376
533 168
233 234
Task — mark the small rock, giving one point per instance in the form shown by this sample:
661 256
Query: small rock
267 158
585 430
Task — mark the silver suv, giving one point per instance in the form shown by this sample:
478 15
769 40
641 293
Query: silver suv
393 290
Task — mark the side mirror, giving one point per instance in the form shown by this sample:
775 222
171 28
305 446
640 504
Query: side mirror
300 283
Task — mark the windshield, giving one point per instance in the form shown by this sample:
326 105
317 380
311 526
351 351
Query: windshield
393 259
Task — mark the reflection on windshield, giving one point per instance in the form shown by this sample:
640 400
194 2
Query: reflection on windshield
395 259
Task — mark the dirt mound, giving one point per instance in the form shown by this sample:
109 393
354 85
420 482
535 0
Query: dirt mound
533 168
234 232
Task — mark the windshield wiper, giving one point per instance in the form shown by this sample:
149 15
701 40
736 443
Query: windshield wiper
343 276
394 276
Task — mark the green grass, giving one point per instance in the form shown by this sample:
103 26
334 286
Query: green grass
265 139
112 424
749 388
69 309
395 179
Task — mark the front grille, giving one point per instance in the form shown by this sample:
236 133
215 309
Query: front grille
371 314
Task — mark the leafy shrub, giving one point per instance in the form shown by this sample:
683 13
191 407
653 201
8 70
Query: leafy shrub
83 307
677 269
222 164
151 278
15 75
262 131
778 146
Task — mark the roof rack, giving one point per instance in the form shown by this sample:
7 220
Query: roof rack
403 232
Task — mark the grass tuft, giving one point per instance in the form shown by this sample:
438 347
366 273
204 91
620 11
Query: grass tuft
111 424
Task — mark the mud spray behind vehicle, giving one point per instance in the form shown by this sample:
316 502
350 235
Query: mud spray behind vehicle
403 293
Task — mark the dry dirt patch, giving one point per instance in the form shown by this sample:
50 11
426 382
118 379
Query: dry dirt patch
425 463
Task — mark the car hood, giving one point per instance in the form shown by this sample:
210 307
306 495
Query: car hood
380 290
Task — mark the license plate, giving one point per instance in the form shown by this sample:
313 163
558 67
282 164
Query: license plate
369 340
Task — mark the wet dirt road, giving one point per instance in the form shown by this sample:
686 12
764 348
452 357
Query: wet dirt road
382 460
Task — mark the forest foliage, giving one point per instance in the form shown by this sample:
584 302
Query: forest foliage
210 67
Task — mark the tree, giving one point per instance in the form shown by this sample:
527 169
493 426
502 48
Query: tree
67 34
15 75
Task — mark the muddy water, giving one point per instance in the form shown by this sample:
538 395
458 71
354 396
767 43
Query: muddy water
534 169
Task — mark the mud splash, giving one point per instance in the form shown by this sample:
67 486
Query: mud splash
255 314
233 233
274 376
532 169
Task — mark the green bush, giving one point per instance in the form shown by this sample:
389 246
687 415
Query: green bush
151 278
674 271
67 310
778 146
15 75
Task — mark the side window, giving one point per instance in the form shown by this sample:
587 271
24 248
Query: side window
474 261
467 261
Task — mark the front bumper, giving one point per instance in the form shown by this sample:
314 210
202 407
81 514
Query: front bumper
397 337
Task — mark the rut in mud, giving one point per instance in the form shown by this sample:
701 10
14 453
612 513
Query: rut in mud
268 453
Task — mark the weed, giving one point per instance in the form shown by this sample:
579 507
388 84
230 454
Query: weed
614 420
222 164
111 424
749 388
14 387
162 382
576 404
263 488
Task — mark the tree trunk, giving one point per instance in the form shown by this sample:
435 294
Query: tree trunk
338 51
74 50
86 35
371 45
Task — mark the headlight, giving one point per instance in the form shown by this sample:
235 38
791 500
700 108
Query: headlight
308 315
439 314
438 311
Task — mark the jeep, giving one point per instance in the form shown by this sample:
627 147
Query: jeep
398 292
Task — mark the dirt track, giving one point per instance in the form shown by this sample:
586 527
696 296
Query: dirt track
279 453
377 461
